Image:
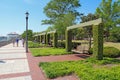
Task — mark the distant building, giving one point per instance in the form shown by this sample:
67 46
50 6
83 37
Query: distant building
3 38
13 35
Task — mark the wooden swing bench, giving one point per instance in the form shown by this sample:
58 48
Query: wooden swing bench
81 49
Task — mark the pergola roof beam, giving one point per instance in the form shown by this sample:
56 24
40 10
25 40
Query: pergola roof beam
89 23
51 32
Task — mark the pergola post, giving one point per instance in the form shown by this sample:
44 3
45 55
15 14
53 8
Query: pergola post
40 38
98 41
34 37
68 40
55 39
46 41
47 38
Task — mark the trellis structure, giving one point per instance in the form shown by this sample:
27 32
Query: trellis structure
97 37
55 38
37 37
43 37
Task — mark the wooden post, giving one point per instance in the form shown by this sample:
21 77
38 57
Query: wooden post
68 40
98 42
55 39
47 38
40 38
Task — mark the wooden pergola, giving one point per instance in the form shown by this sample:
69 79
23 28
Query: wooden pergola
55 40
45 37
37 37
97 36
42 37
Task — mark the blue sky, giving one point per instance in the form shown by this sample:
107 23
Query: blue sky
12 14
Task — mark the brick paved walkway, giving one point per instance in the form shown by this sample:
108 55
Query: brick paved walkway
15 64
34 62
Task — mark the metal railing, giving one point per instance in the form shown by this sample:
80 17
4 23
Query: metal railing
3 43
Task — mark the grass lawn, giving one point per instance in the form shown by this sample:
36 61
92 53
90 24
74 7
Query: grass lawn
35 44
47 51
89 69
116 45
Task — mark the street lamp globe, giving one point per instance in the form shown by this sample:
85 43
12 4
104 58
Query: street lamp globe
27 14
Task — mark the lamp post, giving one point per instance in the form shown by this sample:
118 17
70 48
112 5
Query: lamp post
27 31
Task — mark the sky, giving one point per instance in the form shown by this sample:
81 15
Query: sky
12 14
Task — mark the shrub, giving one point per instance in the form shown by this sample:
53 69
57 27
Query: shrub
48 51
61 44
74 44
99 69
90 50
33 44
113 39
114 34
109 52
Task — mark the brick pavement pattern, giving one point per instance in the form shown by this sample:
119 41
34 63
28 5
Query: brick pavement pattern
15 64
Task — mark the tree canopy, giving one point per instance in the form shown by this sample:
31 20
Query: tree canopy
89 17
50 28
109 10
61 13
30 35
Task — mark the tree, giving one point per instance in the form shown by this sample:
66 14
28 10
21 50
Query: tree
50 29
30 35
109 11
65 21
115 34
89 17
78 34
61 14
88 29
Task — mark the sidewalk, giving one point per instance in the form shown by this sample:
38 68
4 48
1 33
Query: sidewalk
14 63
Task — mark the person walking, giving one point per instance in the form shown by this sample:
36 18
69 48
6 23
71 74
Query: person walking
17 41
13 42
23 42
